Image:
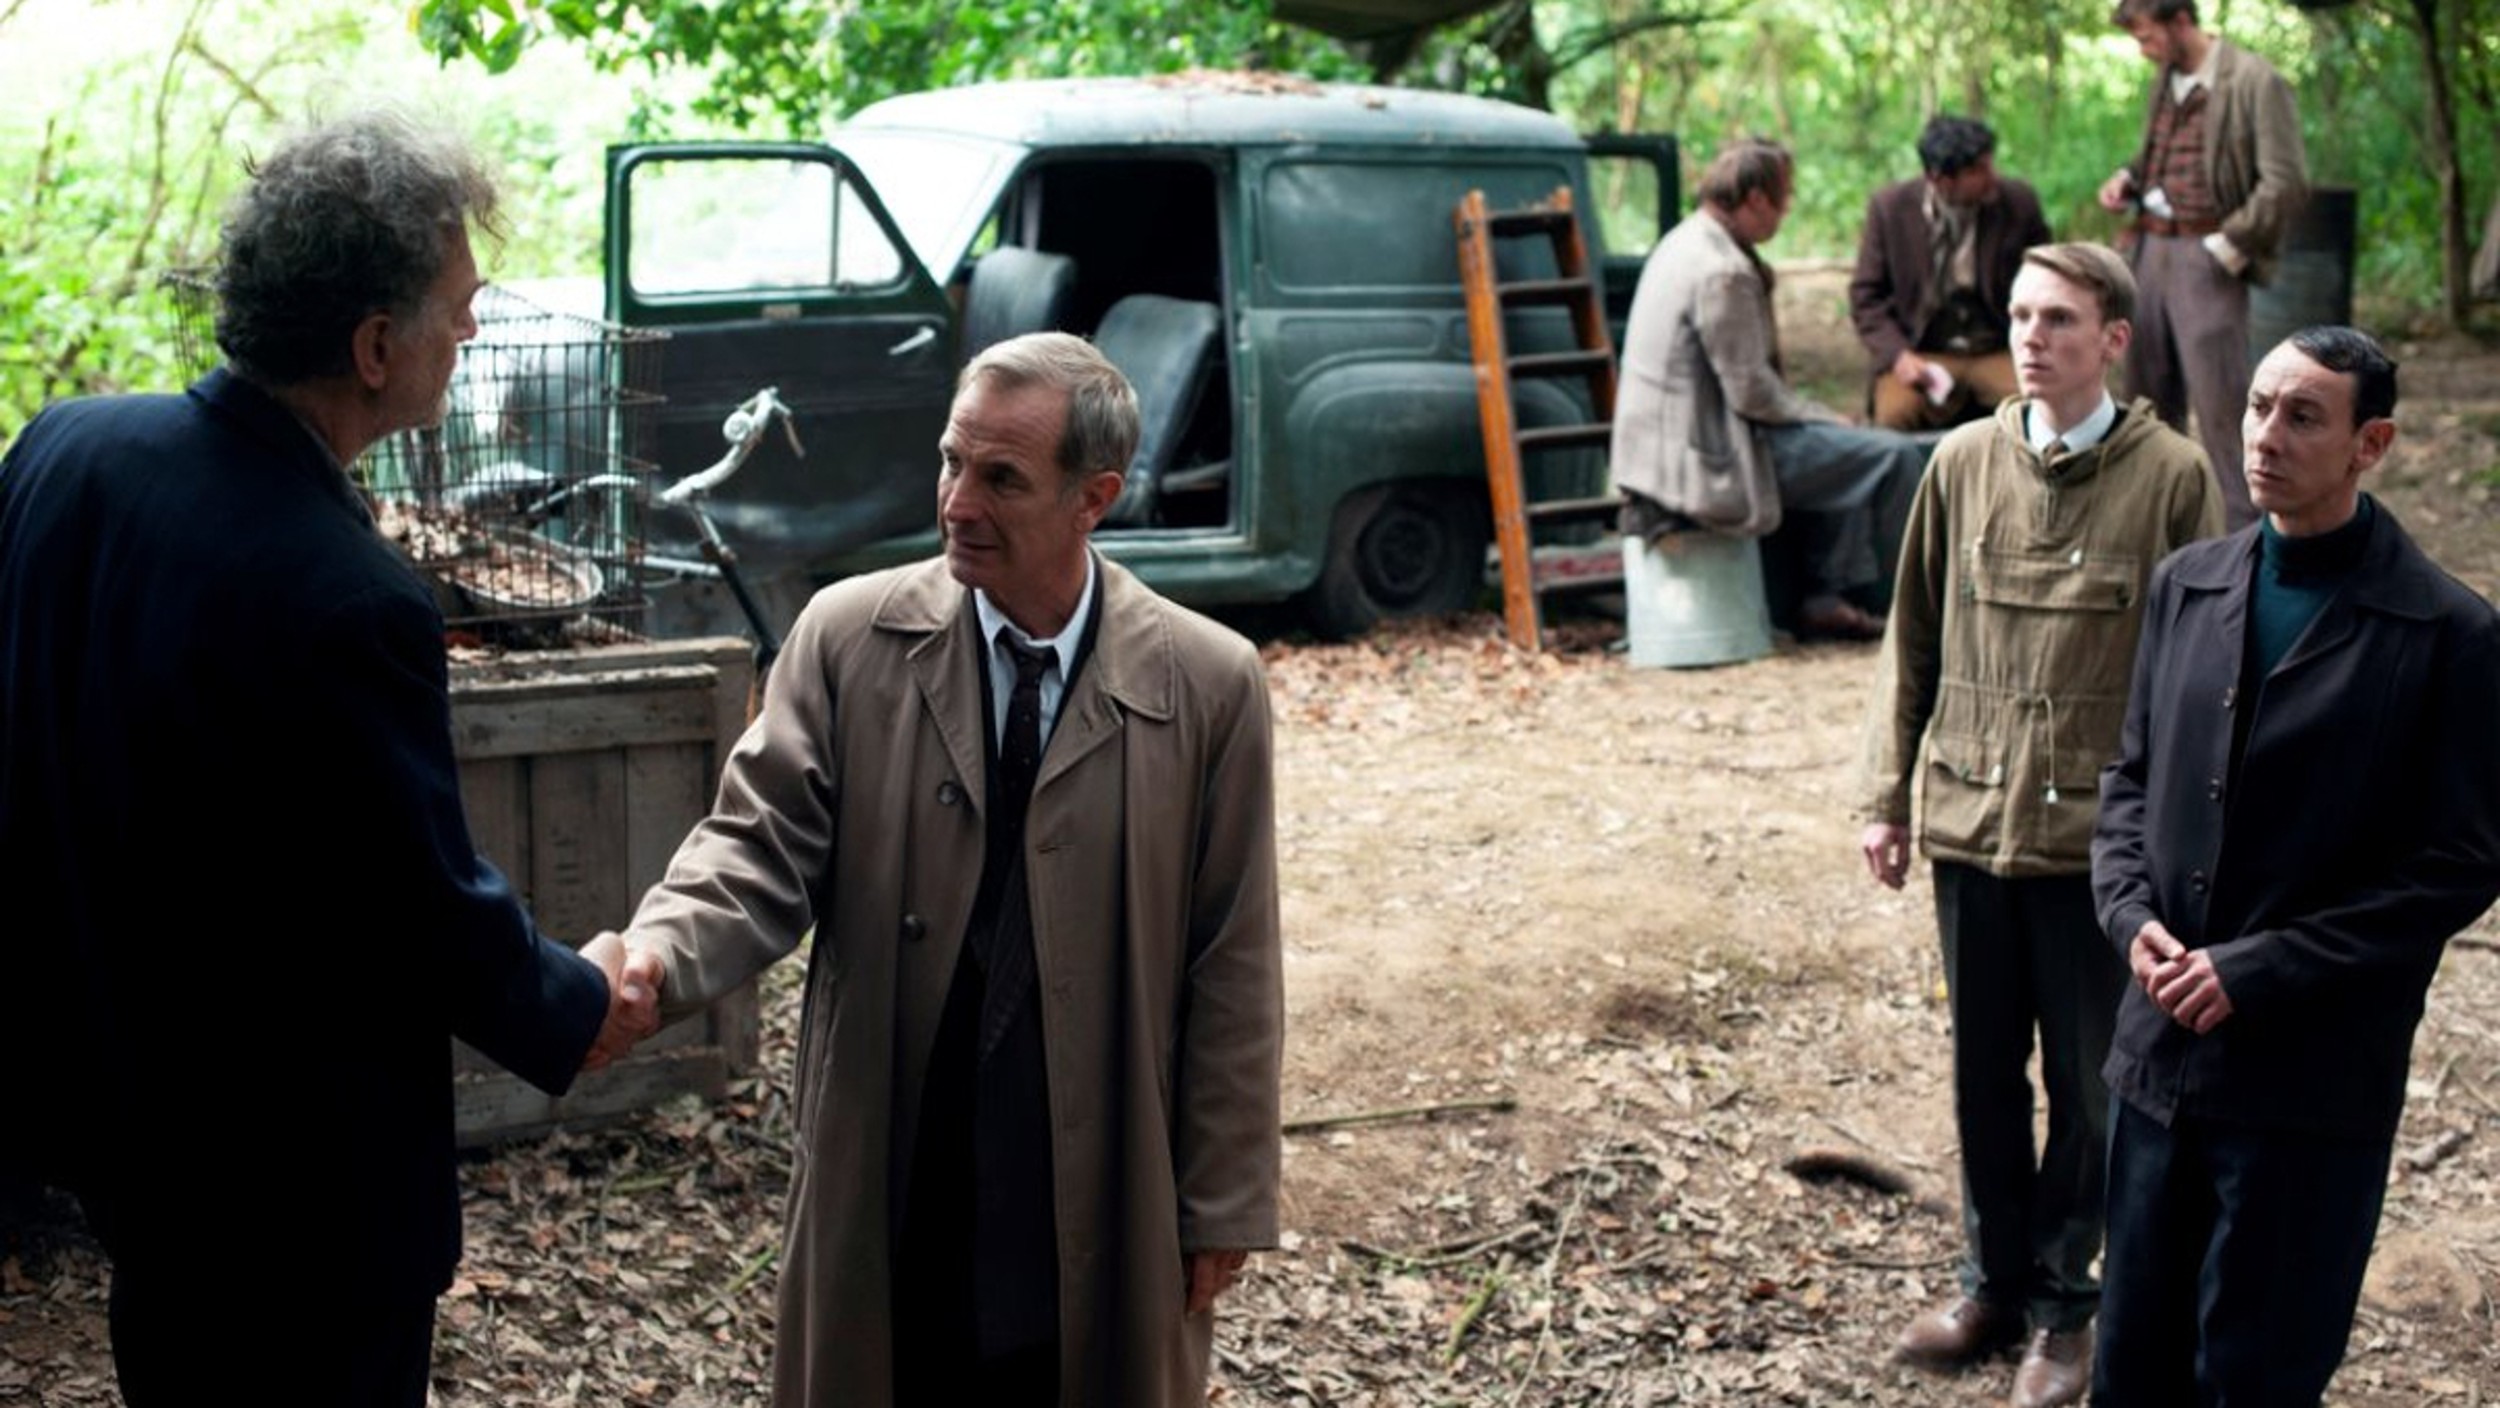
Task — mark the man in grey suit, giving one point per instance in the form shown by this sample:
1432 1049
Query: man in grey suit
1709 434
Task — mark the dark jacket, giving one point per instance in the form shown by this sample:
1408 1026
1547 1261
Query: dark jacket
244 914
2327 871
1894 261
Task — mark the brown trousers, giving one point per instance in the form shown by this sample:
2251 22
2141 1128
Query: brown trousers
2190 353
1979 383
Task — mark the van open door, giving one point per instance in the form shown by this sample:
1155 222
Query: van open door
1638 191
774 264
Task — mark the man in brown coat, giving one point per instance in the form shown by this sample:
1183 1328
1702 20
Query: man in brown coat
2219 176
1935 263
1026 806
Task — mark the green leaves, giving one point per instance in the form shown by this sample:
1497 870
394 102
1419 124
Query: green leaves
791 67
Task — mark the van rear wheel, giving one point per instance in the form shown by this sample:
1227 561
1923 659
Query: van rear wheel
1414 549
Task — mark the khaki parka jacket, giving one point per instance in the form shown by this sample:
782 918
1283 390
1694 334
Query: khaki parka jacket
854 805
2002 682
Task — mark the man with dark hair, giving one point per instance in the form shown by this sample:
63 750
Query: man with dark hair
1935 263
2214 186
2305 807
214 673
1026 806
2020 599
1707 431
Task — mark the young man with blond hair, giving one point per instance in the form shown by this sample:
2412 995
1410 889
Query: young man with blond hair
2001 686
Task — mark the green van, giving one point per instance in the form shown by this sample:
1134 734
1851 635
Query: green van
1273 262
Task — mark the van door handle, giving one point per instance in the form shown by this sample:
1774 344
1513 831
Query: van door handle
913 343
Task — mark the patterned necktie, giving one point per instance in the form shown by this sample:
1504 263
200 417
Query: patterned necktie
1005 950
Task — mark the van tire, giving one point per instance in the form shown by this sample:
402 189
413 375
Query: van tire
1410 549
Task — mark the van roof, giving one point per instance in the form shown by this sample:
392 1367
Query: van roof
1206 108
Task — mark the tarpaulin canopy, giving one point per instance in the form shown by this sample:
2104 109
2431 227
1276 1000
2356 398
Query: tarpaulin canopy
1371 19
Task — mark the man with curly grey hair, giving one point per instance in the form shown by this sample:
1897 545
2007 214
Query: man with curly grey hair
214 673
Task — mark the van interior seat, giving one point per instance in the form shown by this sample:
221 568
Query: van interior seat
1013 291
1167 348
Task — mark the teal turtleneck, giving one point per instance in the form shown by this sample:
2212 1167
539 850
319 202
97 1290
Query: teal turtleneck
2296 577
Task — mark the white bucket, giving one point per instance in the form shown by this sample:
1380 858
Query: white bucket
1694 599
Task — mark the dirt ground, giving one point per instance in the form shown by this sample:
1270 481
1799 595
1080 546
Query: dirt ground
1611 923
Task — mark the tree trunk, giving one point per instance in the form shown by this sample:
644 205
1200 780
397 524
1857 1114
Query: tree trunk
2455 255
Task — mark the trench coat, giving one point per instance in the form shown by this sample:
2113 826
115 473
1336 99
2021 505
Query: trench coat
853 804
1700 377
2326 871
242 896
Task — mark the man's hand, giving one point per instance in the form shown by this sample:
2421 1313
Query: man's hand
2191 991
2154 946
1886 846
1910 369
2182 983
2117 191
634 978
1210 1273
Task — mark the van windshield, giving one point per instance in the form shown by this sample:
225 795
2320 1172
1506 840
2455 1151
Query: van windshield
938 186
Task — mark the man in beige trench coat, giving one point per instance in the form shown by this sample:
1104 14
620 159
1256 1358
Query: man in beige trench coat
1037 1083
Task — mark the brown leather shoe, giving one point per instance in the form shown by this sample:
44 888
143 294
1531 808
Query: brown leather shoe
1833 618
1954 1335
2057 1366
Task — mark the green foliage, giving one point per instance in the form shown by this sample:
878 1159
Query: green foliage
791 66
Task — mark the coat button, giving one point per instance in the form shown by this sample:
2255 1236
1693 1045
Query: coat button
2230 695
914 927
949 794
2196 881
2213 788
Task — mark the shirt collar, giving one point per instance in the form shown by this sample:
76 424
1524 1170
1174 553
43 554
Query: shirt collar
2182 85
994 622
2083 436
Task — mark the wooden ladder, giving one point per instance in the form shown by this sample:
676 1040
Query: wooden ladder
1489 301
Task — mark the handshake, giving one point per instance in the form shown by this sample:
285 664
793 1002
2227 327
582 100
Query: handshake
634 978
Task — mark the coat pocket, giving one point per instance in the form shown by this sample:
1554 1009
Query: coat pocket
2073 581
1964 806
1717 488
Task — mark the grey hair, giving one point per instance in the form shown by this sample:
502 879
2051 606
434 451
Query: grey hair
1103 425
1744 166
353 217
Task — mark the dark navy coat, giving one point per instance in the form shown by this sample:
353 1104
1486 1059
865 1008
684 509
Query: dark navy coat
240 912
2327 871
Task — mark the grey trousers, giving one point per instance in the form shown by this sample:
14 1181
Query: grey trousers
1859 480
2191 353
2021 955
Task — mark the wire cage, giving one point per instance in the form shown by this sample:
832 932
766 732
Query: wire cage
525 503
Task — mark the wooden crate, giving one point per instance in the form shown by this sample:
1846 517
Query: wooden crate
581 771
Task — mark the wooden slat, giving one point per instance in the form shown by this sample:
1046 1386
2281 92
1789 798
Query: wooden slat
670 704
1503 483
1561 364
577 843
1594 435
496 1105
1576 510
1544 293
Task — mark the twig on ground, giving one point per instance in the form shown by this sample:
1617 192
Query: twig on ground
2436 1152
1497 1103
746 1274
1545 1284
1448 1253
1870 1263
1474 1311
